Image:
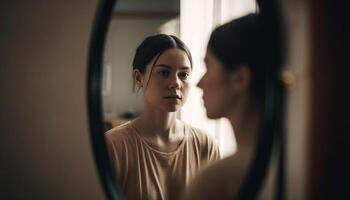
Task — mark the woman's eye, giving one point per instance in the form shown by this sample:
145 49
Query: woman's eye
184 75
163 73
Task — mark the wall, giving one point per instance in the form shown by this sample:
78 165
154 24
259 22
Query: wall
148 5
45 150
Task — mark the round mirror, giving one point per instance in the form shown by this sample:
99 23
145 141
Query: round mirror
167 110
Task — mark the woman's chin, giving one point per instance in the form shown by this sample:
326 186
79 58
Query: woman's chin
213 115
173 109
172 106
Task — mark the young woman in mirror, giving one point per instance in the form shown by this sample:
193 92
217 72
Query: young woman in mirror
156 155
233 87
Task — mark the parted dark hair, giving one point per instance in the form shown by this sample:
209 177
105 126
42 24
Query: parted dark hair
155 45
240 41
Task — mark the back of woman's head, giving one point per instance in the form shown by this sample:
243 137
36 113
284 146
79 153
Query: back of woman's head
240 42
153 46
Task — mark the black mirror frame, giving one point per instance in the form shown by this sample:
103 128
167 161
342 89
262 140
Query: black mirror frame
94 84
270 142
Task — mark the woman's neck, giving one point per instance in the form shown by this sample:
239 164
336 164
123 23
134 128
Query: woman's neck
160 129
156 123
246 125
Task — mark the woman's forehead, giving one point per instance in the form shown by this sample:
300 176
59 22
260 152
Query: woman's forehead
173 58
174 53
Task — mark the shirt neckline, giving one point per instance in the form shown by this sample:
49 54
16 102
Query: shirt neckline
149 146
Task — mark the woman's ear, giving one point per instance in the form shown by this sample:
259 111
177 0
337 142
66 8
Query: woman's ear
138 77
240 79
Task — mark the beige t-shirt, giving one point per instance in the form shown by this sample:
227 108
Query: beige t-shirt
146 173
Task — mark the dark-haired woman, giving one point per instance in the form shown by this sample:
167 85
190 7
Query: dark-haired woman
232 88
156 155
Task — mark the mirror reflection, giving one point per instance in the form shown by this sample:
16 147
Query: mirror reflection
162 131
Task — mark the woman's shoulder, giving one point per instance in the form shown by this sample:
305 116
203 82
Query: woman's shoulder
119 133
205 141
214 182
198 132
199 135
220 169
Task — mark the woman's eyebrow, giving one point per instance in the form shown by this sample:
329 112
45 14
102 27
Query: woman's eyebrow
163 65
169 67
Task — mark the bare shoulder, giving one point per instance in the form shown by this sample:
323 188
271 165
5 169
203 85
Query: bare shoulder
217 172
218 181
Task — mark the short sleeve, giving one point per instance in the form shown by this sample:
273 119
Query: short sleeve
214 152
209 150
113 155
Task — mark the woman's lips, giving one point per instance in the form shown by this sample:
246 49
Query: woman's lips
172 97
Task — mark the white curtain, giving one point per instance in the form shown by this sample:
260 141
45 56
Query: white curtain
197 19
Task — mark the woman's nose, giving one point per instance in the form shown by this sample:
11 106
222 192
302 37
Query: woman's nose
174 82
199 84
